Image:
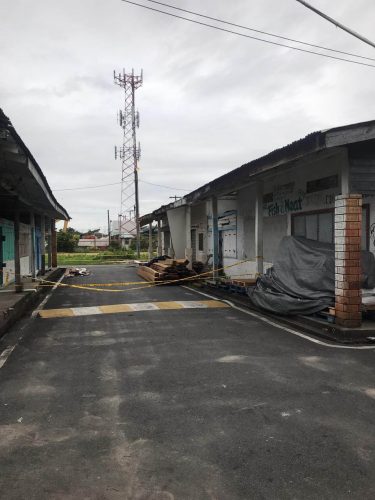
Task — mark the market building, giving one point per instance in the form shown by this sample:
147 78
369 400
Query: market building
320 187
28 211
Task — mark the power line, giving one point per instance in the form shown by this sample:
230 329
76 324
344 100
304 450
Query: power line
167 187
250 37
116 184
262 32
87 187
337 24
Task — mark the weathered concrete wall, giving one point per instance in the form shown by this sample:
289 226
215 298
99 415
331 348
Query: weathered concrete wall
25 249
199 223
177 225
285 194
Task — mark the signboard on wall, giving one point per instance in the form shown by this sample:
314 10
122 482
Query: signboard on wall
318 194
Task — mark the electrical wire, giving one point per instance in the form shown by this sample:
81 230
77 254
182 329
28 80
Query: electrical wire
116 184
86 187
218 28
262 32
167 187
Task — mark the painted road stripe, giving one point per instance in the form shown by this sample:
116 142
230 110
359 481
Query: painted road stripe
56 313
5 355
115 308
144 306
284 328
86 311
168 305
135 307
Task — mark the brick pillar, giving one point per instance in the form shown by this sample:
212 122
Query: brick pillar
348 228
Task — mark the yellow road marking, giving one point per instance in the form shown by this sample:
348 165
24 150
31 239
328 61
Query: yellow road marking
136 307
115 308
168 305
215 303
56 313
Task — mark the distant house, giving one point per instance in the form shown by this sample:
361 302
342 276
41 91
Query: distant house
92 241
28 211
124 237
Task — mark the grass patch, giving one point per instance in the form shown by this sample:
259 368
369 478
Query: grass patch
93 258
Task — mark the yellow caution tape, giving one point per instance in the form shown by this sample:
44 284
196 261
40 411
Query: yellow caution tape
92 286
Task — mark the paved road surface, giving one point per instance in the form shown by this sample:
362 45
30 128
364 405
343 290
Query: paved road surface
191 402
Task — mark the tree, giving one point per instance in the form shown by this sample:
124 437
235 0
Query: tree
67 241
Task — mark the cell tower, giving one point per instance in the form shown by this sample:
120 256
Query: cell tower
129 154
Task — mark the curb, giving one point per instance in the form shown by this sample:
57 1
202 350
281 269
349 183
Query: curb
26 302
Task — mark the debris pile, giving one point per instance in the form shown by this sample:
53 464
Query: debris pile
165 269
77 271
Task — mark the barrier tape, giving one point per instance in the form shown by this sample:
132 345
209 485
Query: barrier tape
91 286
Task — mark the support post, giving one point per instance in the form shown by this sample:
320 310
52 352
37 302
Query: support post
49 243
17 255
259 229
215 238
188 249
33 249
54 243
109 228
159 250
150 241
348 270
43 244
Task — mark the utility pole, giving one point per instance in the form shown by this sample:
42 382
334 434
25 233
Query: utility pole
129 154
175 198
336 23
109 228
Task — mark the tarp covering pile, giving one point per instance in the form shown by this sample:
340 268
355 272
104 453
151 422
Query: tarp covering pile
302 278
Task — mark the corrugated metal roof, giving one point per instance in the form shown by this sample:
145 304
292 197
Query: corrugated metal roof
311 143
7 124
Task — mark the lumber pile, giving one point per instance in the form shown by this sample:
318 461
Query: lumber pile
165 270
245 282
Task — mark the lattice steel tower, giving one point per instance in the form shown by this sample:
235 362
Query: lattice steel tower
129 153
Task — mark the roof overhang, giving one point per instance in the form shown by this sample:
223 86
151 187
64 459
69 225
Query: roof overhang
21 177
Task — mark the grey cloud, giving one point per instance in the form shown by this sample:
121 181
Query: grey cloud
210 101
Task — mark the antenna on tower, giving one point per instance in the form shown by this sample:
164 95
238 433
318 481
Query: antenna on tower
129 154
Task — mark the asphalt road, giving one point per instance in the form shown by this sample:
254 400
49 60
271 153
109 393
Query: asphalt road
187 403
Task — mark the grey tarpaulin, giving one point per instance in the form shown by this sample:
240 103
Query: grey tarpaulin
302 278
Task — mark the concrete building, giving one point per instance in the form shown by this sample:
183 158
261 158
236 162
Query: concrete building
28 211
320 187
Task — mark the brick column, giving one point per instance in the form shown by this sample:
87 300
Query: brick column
348 228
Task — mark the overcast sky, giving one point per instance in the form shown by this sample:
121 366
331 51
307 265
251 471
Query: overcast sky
210 102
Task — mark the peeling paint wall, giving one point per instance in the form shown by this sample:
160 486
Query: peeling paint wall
7 227
177 225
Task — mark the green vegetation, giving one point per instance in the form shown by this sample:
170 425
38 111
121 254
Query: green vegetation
67 241
93 258
70 254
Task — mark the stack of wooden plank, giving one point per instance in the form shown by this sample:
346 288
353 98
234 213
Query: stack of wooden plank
165 270
244 282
